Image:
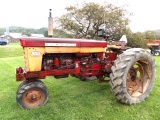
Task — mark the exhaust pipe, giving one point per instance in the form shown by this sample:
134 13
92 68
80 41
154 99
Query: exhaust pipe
50 24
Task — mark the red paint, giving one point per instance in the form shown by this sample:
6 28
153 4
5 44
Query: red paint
40 42
42 74
77 68
83 54
111 56
158 41
56 62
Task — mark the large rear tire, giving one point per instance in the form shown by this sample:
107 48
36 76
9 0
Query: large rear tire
133 76
31 95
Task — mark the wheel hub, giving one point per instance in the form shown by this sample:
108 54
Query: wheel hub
133 74
135 80
33 96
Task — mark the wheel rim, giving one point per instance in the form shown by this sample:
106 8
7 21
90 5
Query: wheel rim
138 78
156 53
34 98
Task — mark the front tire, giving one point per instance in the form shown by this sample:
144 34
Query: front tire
32 95
156 53
25 82
133 76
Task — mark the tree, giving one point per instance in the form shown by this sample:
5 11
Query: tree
86 20
157 34
59 34
137 40
2 30
150 35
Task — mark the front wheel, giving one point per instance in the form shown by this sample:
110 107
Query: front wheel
25 82
133 76
156 53
32 95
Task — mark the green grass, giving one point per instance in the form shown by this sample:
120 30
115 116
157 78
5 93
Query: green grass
11 50
70 98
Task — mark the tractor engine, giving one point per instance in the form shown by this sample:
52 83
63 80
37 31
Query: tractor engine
57 61
88 64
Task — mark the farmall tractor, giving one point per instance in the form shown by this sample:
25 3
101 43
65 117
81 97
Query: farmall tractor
132 72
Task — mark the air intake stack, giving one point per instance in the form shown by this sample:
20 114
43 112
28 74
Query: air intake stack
50 24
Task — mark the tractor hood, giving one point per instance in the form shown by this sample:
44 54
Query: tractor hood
60 42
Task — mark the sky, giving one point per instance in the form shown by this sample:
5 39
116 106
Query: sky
34 13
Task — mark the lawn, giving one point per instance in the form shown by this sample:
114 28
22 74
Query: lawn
70 98
11 50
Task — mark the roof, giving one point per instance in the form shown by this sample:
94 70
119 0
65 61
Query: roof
2 36
37 35
14 35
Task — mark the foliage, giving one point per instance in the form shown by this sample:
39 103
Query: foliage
28 31
86 20
139 39
24 31
2 30
136 40
158 34
57 33
61 34
150 35
70 98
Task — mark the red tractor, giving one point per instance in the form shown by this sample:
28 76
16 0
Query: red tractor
154 46
132 72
